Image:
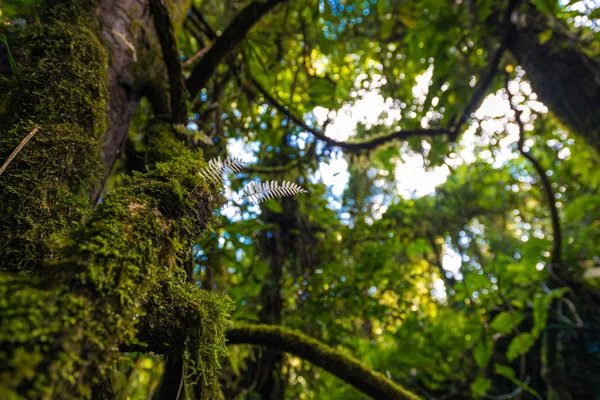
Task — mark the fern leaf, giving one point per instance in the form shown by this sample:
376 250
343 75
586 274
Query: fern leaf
257 193
217 168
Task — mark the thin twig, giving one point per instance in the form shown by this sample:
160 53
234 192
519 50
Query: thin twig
196 56
18 149
480 91
181 381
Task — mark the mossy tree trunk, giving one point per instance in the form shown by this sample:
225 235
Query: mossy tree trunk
74 280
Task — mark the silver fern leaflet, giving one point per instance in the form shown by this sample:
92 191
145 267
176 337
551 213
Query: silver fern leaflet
217 168
257 193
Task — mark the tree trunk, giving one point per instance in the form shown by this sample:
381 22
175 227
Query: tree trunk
565 78
135 70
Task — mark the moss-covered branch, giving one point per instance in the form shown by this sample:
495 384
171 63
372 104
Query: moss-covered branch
344 367
59 333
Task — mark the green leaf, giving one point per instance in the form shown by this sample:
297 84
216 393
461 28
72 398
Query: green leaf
381 7
508 373
579 207
274 206
540 313
520 345
541 304
11 59
506 321
387 27
407 20
547 6
480 386
544 36
505 371
483 351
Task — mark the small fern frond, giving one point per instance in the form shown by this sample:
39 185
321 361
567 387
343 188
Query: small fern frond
257 193
217 167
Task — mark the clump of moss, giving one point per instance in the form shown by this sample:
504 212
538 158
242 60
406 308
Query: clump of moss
62 90
182 319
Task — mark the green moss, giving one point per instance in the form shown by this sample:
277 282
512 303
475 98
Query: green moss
62 89
63 330
334 361
164 142
181 319
60 331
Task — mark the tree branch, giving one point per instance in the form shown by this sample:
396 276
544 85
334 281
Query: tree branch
478 94
366 380
168 44
224 45
553 370
449 281
488 76
369 144
201 24
556 231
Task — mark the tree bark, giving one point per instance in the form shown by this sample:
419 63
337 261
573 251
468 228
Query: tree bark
135 69
565 78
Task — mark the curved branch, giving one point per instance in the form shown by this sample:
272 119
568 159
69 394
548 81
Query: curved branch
552 367
556 231
352 371
369 144
224 45
168 44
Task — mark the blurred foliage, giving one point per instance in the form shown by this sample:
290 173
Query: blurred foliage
444 292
